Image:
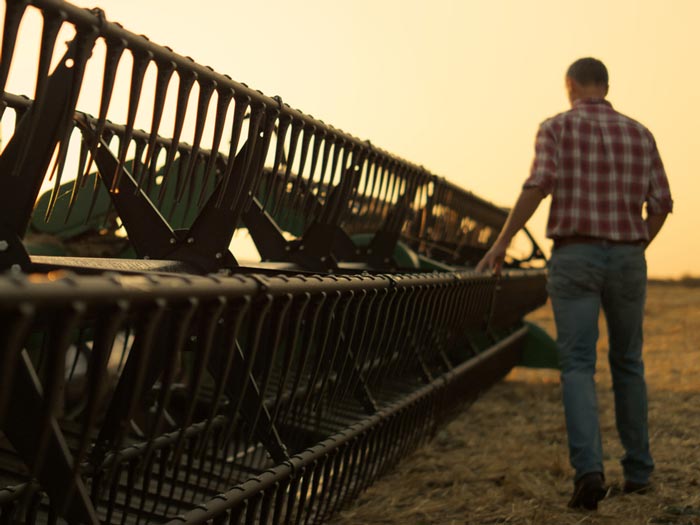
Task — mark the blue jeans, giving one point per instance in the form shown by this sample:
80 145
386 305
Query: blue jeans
582 278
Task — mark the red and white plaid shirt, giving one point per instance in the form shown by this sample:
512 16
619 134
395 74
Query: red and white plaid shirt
600 167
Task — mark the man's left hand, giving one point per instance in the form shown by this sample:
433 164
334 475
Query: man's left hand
493 260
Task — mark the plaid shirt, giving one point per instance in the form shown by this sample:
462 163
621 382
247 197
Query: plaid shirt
600 167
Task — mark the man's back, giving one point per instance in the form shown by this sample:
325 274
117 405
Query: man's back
600 167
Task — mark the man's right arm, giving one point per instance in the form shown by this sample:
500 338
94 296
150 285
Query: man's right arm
654 223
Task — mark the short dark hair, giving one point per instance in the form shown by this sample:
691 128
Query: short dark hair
587 71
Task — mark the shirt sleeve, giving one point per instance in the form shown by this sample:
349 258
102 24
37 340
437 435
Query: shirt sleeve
544 166
658 195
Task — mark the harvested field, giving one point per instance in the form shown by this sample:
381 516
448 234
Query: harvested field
505 459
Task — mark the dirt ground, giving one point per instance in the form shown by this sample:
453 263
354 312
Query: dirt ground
505 459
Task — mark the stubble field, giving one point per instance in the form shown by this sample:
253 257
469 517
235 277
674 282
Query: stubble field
504 460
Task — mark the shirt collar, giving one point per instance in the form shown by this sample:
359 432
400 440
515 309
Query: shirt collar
592 102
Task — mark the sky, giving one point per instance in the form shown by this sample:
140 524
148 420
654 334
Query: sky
458 86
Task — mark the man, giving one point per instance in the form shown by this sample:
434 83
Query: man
600 167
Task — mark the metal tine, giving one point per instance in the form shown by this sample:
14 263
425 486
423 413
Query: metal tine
306 211
284 121
149 321
82 159
295 325
181 317
233 327
351 165
266 505
151 171
366 345
230 325
15 328
381 339
363 192
308 335
187 78
354 307
62 330
205 336
224 97
141 61
354 174
405 188
308 132
370 191
206 90
320 350
337 330
138 167
257 176
52 23
336 481
390 342
391 177
292 496
179 181
404 366
83 42
421 314
280 492
324 194
278 321
130 484
113 489
115 49
352 470
107 326
191 182
427 341
316 475
332 204
359 340
297 126
163 77
97 187
330 473
14 12
257 112
375 320
257 319
188 473
146 470
240 108
378 183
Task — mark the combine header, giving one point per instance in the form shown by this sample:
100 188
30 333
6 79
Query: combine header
147 373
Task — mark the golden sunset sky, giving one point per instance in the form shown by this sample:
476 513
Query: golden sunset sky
458 86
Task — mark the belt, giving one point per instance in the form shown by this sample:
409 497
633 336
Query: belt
585 239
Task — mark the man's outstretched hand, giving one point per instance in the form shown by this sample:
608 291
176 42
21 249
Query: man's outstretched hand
493 260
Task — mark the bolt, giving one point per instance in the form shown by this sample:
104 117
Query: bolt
287 248
323 259
369 251
301 247
146 257
4 245
16 268
219 255
190 240
172 240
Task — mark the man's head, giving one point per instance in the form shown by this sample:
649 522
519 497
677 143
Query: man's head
586 78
